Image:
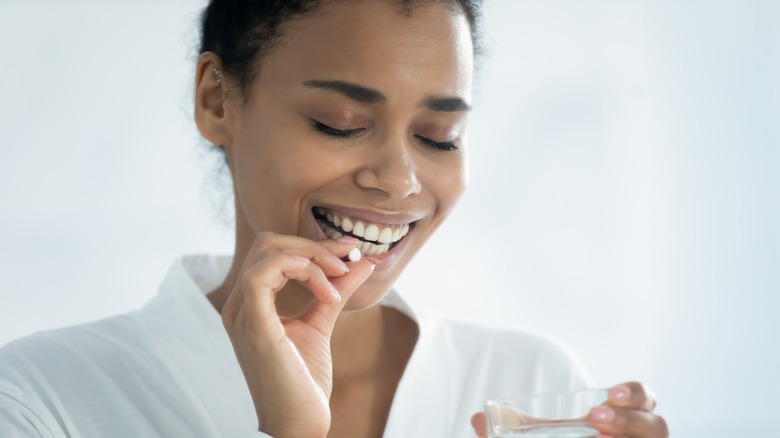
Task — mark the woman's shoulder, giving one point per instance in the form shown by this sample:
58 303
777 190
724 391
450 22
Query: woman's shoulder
53 374
534 360
43 353
98 374
166 325
470 337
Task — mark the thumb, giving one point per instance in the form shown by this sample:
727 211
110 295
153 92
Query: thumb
323 316
350 282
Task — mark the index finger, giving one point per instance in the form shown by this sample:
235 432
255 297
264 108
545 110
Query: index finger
326 254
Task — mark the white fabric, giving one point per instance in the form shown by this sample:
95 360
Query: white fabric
168 370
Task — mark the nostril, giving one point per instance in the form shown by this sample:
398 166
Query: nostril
396 184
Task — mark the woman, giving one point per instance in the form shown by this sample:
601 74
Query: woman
344 126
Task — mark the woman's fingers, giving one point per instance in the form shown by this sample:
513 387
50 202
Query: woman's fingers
632 395
629 422
268 274
358 273
479 423
322 314
628 413
326 254
275 259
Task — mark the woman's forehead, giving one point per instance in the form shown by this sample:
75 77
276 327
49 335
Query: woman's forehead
374 43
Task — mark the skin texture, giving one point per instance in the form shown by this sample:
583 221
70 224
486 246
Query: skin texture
319 356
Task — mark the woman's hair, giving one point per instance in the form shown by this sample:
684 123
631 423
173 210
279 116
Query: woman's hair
241 32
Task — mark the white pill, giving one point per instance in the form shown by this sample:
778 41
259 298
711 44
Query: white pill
354 255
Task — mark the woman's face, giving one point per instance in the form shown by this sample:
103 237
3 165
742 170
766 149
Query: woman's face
356 124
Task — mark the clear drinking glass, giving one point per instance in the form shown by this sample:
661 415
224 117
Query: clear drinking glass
563 415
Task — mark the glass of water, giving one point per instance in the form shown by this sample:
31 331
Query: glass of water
564 415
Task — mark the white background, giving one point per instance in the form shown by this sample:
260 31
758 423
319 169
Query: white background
624 193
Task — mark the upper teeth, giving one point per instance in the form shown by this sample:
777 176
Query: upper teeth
367 231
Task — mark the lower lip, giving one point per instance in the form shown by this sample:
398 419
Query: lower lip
383 261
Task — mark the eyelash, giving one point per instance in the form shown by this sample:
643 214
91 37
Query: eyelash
349 133
325 129
442 146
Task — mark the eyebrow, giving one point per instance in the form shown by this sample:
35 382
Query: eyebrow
353 91
363 94
446 104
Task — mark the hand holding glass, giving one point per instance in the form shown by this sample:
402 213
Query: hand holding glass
563 415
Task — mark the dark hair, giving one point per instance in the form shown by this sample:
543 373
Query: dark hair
241 32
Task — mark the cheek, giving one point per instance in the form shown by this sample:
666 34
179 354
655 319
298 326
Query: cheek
448 183
273 178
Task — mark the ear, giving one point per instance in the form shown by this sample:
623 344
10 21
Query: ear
213 110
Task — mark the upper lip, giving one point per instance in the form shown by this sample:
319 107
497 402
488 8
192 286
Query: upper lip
375 216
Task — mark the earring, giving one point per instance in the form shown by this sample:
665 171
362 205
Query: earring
218 76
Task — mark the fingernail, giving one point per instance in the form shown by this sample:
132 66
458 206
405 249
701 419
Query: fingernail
619 393
602 414
347 239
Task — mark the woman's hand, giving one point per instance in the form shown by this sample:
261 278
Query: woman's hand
626 414
287 361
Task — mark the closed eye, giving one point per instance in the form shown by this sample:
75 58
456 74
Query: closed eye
442 146
349 133
342 133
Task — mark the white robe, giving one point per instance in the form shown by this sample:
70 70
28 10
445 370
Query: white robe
169 370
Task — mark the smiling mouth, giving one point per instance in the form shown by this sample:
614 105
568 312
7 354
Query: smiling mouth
374 239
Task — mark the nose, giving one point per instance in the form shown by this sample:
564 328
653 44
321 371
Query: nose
391 169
